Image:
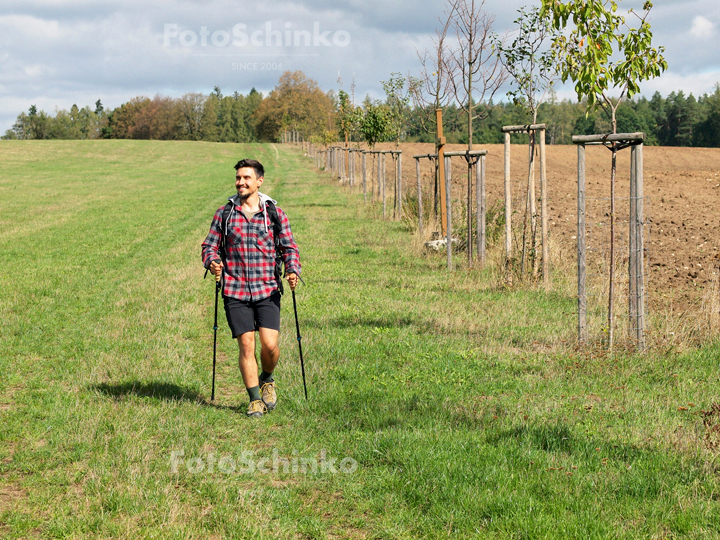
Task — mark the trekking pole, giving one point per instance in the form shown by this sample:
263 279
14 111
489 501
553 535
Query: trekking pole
215 328
299 339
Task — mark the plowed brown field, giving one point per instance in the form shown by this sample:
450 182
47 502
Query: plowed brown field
682 187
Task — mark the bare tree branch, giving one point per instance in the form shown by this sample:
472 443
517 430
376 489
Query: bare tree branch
432 89
476 73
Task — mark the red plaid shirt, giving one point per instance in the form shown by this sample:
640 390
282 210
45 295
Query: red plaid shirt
249 273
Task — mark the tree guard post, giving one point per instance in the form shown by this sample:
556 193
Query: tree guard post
508 213
364 173
639 180
353 159
350 167
337 161
393 160
581 254
342 173
382 181
339 167
419 195
448 208
544 214
354 166
399 183
468 228
532 203
637 259
481 209
379 174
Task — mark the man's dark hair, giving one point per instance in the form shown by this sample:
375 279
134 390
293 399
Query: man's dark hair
255 165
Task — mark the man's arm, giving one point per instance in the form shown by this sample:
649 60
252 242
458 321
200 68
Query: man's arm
210 246
288 248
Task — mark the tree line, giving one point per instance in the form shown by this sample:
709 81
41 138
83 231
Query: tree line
193 116
298 103
677 120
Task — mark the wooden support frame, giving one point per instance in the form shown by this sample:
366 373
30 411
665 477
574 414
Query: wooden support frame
480 155
381 191
417 158
537 130
636 262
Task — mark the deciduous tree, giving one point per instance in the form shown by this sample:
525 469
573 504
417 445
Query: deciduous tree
530 64
603 54
295 103
475 74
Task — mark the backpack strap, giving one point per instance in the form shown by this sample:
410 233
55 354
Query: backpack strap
223 228
277 230
223 221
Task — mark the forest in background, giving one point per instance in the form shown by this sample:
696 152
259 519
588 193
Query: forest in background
298 103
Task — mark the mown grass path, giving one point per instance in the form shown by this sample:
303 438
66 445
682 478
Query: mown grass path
459 409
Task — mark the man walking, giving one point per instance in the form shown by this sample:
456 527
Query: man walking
248 239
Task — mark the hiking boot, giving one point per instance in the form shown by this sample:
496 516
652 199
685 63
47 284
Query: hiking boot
256 409
268 395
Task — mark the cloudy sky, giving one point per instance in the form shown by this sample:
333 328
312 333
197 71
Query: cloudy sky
54 53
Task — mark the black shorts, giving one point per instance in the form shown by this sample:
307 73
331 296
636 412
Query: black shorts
245 317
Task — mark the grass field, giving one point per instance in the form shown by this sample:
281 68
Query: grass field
441 406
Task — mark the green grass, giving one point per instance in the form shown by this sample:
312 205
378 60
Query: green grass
465 406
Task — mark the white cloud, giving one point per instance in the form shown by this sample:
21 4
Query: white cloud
54 53
694 83
702 28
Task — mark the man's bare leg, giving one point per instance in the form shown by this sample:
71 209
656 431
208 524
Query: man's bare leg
247 360
269 350
269 354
